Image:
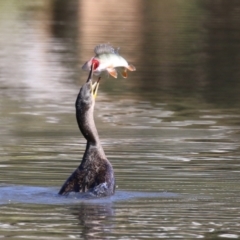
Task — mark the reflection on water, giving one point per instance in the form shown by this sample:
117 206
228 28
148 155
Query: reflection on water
171 126
95 220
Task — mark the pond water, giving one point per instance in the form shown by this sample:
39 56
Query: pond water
171 129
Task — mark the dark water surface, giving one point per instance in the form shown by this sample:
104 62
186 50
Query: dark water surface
171 129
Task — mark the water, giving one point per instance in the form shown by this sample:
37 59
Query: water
171 129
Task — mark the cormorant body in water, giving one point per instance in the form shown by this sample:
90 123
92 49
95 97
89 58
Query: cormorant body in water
95 173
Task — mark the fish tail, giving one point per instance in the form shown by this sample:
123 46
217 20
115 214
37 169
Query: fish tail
130 67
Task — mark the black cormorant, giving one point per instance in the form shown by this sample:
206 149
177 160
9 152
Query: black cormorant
95 174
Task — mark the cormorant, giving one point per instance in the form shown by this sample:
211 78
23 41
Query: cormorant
95 174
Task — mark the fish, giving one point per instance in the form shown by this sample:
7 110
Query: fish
108 59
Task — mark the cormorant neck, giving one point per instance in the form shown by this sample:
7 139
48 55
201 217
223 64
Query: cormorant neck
88 128
87 125
85 120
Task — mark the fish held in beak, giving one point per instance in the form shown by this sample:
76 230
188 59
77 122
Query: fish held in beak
108 59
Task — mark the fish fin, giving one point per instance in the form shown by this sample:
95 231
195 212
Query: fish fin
124 73
104 48
130 67
112 72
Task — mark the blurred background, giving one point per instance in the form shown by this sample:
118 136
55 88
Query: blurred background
173 125
180 48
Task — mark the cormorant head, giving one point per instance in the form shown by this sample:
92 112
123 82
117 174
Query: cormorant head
85 106
88 91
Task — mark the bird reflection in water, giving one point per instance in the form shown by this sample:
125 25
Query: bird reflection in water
95 220
95 174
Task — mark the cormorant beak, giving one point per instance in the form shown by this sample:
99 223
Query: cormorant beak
90 73
94 86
